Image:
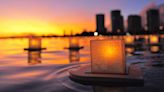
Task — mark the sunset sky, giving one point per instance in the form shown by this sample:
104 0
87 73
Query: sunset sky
55 16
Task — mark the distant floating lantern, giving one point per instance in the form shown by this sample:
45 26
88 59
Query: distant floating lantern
154 39
129 39
74 42
34 57
108 56
35 44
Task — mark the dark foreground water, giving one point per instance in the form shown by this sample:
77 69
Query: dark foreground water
47 71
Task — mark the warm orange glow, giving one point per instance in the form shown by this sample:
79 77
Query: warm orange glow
154 48
74 56
34 57
25 27
130 50
35 43
108 56
129 39
154 39
74 42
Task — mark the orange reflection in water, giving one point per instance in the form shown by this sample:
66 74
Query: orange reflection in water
34 57
130 50
26 74
154 48
74 56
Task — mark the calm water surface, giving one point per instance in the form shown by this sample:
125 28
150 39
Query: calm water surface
46 71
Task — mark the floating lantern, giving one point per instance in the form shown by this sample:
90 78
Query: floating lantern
74 43
129 40
34 43
154 39
108 56
34 57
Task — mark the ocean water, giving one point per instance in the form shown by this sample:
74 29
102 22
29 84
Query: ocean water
47 70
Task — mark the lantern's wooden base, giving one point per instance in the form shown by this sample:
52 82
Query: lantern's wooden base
84 76
74 48
157 44
34 49
130 45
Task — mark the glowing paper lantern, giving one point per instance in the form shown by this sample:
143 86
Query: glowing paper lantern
74 42
129 39
108 56
154 39
35 43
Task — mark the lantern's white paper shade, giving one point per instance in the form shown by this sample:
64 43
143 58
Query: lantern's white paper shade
35 43
74 42
129 39
108 56
154 39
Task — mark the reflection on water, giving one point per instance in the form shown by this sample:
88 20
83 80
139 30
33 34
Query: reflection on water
13 60
108 89
130 50
74 56
34 57
74 48
12 52
155 49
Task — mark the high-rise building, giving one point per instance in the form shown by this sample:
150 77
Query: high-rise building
134 24
100 24
117 22
153 20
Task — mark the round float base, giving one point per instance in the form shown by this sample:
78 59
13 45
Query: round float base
84 76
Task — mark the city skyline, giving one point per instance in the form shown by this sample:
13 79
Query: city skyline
55 16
